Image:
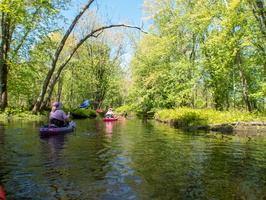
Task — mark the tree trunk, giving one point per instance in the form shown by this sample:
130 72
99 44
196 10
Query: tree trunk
47 80
3 78
243 82
245 91
259 12
5 48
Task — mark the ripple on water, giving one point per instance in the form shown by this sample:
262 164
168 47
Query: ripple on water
137 159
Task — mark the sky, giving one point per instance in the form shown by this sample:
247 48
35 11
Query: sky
119 11
129 11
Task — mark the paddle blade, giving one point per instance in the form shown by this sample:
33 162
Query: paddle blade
98 110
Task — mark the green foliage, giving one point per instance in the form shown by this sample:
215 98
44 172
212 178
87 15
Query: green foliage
12 111
200 54
24 24
92 74
20 112
203 117
127 109
82 112
135 110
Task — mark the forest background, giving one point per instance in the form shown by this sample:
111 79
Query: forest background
199 54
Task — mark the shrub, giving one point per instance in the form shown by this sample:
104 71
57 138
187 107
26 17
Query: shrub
202 117
82 112
127 109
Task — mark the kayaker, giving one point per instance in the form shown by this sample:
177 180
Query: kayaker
59 117
110 113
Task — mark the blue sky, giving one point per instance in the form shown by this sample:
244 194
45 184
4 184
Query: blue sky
125 10
119 11
129 11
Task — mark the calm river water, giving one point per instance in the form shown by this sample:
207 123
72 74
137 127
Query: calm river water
130 159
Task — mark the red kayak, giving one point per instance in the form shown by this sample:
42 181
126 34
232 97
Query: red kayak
110 119
2 194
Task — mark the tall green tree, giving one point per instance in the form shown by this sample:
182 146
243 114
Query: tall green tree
217 46
22 22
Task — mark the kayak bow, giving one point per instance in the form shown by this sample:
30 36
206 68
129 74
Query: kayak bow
2 194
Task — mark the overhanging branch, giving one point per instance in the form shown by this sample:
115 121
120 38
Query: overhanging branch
94 33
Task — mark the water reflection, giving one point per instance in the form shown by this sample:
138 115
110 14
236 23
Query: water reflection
2 133
55 144
2 142
109 131
134 159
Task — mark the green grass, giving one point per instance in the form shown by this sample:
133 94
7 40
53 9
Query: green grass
19 112
203 117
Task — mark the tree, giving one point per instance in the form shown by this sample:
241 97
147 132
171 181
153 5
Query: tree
217 46
21 24
163 68
52 78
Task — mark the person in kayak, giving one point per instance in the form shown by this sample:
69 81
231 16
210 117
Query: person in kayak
110 113
59 117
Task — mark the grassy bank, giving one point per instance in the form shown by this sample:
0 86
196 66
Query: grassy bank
20 113
180 117
183 117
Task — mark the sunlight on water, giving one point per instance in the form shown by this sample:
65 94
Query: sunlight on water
130 159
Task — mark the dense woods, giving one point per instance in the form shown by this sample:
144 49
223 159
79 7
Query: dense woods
197 54
202 54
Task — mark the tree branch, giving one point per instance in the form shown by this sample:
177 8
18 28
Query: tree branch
91 34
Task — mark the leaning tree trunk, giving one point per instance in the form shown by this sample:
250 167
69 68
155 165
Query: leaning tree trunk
47 80
94 33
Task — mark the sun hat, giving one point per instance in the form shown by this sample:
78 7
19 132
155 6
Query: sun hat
110 109
58 105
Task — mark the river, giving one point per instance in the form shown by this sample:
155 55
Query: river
130 159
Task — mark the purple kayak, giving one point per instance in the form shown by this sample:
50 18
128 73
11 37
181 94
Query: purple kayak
51 129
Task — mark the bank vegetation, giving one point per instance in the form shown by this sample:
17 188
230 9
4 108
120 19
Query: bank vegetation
202 62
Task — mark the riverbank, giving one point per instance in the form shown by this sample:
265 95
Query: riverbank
230 127
20 113
184 118
210 120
